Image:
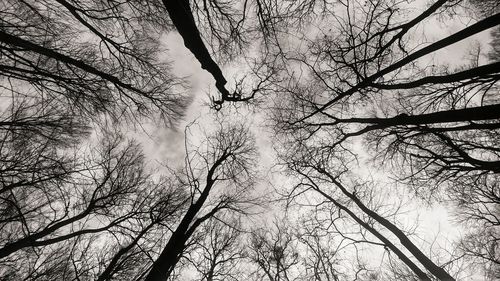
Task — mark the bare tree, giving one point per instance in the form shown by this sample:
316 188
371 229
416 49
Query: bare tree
217 253
129 259
92 57
317 173
302 249
228 28
323 259
275 253
367 81
72 201
218 178
481 248
346 81
348 75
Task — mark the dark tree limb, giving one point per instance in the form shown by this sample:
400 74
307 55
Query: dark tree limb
422 275
182 17
436 270
165 263
489 71
479 26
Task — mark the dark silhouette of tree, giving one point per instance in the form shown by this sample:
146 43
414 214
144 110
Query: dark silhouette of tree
305 249
93 57
63 64
228 28
369 88
345 83
274 253
323 259
217 252
349 75
318 173
481 248
219 179
130 258
332 253
182 17
77 200
39 216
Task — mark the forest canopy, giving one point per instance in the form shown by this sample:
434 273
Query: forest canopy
249 140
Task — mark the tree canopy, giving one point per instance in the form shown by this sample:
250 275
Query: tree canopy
343 140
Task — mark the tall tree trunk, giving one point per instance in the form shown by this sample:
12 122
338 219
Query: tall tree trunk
182 17
436 270
421 275
165 263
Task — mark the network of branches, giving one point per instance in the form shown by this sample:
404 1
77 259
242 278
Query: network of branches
343 140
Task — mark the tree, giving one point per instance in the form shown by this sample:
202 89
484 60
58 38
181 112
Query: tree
39 213
481 249
230 30
302 249
62 206
130 258
315 174
275 254
359 65
217 254
350 87
91 58
369 84
219 179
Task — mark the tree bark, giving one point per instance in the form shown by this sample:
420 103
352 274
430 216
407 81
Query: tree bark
484 71
165 263
182 17
479 113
